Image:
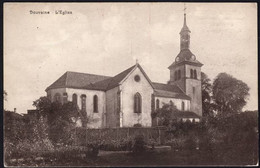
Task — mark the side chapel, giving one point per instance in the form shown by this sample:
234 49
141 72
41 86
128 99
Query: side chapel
129 97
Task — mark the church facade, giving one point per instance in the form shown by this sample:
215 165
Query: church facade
130 97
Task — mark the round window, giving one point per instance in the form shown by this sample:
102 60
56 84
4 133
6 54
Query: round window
137 78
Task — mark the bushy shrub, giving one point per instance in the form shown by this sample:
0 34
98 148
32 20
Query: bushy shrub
9 148
122 144
93 150
190 143
139 144
153 142
137 125
177 142
32 149
66 152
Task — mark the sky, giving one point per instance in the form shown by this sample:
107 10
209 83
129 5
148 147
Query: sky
107 38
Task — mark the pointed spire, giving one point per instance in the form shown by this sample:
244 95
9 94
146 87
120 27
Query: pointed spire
185 27
184 23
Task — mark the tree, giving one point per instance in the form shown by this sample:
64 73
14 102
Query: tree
43 105
13 127
68 112
166 113
229 94
61 118
207 104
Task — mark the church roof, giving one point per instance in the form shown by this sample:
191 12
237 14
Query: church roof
169 94
98 82
111 82
166 87
185 55
171 91
91 81
76 80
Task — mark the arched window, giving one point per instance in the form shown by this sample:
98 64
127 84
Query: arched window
179 74
191 73
175 75
57 97
195 74
65 97
137 103
75 99
182 106
95 104
83 103
157 104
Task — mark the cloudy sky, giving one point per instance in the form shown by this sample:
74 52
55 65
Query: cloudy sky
107 38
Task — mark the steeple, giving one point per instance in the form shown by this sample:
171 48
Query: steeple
185 27
185 33
185 71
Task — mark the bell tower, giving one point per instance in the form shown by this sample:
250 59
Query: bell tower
185 71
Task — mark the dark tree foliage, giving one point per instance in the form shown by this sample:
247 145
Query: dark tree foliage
207 104
166 114
61 118
229 94
139 144
43 105
68 112
13 127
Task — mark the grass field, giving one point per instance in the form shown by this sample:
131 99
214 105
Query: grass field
167 158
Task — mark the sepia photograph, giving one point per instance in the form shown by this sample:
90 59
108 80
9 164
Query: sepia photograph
130 84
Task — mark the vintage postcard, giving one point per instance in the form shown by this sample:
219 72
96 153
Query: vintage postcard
130 84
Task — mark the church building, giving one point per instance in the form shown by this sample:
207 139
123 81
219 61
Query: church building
130 97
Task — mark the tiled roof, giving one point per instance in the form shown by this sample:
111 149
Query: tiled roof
109 83
100 85
119 77
185 114
104 83
166 87
76 80
172 91
185 55
163 93
90 81
112 82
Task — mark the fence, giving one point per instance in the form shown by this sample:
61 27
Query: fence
153 135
